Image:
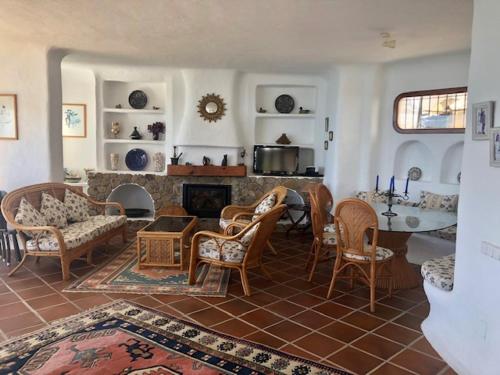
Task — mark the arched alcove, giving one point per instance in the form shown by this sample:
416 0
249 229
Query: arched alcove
413 154
133 196
451 165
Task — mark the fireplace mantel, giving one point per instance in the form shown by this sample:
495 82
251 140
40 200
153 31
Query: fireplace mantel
207 170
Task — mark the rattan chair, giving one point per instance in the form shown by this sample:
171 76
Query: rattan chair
245 214
354 218
324 243
241 251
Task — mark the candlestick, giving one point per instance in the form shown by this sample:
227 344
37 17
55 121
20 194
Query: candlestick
376 186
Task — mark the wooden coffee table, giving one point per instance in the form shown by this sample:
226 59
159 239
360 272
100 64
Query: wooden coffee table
163 242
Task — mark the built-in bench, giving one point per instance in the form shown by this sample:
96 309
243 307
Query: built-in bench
440 272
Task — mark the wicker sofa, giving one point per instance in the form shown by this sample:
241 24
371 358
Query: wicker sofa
58 233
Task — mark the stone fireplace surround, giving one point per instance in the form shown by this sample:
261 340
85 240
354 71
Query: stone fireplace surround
167 190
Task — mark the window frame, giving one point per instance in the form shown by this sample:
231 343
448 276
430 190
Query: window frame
446 91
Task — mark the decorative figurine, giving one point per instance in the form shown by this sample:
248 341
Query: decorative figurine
159 161
224 161
174 160
114 159
115 128
243 153
135 134
206 161
304 111
118 106
283 140
262 110
156 128
156 108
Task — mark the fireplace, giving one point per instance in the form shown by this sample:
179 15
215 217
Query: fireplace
205 200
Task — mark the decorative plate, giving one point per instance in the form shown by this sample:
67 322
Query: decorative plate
136 159
284 103
138 99
414 173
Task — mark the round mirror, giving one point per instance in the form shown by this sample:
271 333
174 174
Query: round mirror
211 107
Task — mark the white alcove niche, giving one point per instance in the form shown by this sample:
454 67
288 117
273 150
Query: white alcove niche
133 196
451 164
413 154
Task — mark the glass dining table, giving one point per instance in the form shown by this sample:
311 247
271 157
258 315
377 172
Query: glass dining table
394 233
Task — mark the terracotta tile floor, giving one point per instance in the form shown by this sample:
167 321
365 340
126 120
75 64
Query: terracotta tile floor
287 313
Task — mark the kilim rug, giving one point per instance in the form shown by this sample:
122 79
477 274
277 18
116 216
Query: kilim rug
126 338
120 275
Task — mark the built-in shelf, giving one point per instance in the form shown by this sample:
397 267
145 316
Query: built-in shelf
135 141
136 111
285 115
122 171
304 145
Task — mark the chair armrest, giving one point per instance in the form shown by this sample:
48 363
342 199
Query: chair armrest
111 204
229 211
40 231
241 215
229 229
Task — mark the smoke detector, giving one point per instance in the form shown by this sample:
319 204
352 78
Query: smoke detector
387 40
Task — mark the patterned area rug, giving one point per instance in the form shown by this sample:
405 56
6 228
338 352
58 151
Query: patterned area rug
120 275
126 338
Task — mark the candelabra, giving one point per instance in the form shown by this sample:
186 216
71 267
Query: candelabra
390 195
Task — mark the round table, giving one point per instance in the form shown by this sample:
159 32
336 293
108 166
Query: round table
394 233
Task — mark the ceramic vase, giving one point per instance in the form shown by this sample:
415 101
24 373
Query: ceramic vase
114 159
115 128
159 161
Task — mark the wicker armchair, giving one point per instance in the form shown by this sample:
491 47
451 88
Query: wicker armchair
241 251
32 237
245 214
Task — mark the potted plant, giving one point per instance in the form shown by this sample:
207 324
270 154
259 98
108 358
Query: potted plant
156 128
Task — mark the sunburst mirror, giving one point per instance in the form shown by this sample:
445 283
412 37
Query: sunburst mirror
211 107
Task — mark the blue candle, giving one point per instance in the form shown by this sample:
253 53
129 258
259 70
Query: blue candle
393 184
407 182
376 187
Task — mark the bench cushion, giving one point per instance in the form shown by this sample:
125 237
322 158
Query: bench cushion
449 233
431 201
224 250
439 272
77 234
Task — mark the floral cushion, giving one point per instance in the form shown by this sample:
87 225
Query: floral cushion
29 216
77 208
371 196
248 236
54 211
433 201
78 233
224 223
381 254
439 272
267 204
449 233
329 228
227 251
329 238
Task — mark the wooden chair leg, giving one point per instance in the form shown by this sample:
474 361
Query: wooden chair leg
65 263
20 264
265 272
317 250
373 279
89 257
124 233
332 284
351 278
273 250
37 259
244 282
311 254
192 272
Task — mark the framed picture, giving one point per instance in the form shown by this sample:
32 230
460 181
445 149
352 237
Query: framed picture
8 116
327 124
482 120
74 120
495 147
325 145
330 135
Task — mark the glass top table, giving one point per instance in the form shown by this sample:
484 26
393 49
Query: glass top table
413 219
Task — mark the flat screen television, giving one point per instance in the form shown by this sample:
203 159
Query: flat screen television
275 160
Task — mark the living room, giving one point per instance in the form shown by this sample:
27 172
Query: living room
227 153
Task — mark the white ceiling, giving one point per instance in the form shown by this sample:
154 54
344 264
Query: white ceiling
245 34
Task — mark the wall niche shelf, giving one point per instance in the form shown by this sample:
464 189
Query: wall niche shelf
136 141
285 115
134 111
413 154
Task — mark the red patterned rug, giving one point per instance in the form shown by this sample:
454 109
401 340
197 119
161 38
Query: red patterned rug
120 275
126 338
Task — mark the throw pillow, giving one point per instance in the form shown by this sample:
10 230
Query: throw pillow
248 236
267 203
54 211
433 201
29 216
77 208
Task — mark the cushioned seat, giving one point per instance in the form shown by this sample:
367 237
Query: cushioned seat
225 250
440 272
79 233
449 233
381 254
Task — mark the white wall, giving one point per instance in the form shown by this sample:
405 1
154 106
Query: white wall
466 332
433 72
24 71
79 87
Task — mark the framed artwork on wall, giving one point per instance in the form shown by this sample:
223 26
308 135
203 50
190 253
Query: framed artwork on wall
74 120
495 147
482 120
8 116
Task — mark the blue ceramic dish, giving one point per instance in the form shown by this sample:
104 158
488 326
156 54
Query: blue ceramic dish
136 159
